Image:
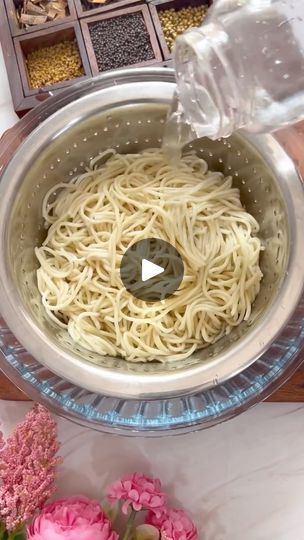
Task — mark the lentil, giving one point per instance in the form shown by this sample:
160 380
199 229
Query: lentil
120 41
50 65
175 22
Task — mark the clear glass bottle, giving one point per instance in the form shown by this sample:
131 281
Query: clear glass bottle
243 68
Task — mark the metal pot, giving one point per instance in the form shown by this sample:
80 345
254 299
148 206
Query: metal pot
127 110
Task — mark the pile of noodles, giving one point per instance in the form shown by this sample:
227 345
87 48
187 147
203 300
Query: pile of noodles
96 217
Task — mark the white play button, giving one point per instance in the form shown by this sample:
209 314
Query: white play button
150 270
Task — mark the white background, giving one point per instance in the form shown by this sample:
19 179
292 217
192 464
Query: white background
243 480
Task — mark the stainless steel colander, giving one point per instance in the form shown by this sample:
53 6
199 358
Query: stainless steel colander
127 111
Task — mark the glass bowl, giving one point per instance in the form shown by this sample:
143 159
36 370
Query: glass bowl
157 417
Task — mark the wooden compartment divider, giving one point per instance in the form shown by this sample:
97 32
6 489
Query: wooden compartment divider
46 38
17 31
85 23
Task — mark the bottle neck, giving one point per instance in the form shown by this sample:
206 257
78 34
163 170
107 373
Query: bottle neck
211 82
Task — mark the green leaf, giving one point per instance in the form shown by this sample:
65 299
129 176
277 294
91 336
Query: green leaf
146 532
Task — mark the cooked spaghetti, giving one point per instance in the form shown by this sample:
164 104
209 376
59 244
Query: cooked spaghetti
121 199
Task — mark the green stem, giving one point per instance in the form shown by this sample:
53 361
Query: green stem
2 531
17 534
129 526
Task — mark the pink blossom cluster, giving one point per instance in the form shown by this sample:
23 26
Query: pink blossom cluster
144 493
27 467
173 524
139 491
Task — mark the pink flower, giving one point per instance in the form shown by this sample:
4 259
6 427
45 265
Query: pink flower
139 491
73 518
173 524
27 467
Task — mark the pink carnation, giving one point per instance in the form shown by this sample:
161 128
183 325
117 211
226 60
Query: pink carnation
27 467
139 491
72 518
173 524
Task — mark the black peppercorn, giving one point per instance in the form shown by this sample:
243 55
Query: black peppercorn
121 41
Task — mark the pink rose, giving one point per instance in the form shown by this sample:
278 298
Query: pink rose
73 518
139 491
173 524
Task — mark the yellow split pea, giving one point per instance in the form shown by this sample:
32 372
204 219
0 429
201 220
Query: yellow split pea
50 65
175 22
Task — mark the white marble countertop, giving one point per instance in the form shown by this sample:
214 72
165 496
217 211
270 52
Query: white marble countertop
243 480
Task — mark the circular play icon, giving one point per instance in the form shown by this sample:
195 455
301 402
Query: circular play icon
151 270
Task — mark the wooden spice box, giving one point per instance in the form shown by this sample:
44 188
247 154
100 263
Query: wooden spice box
17 43
14 23
85 24
155 6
